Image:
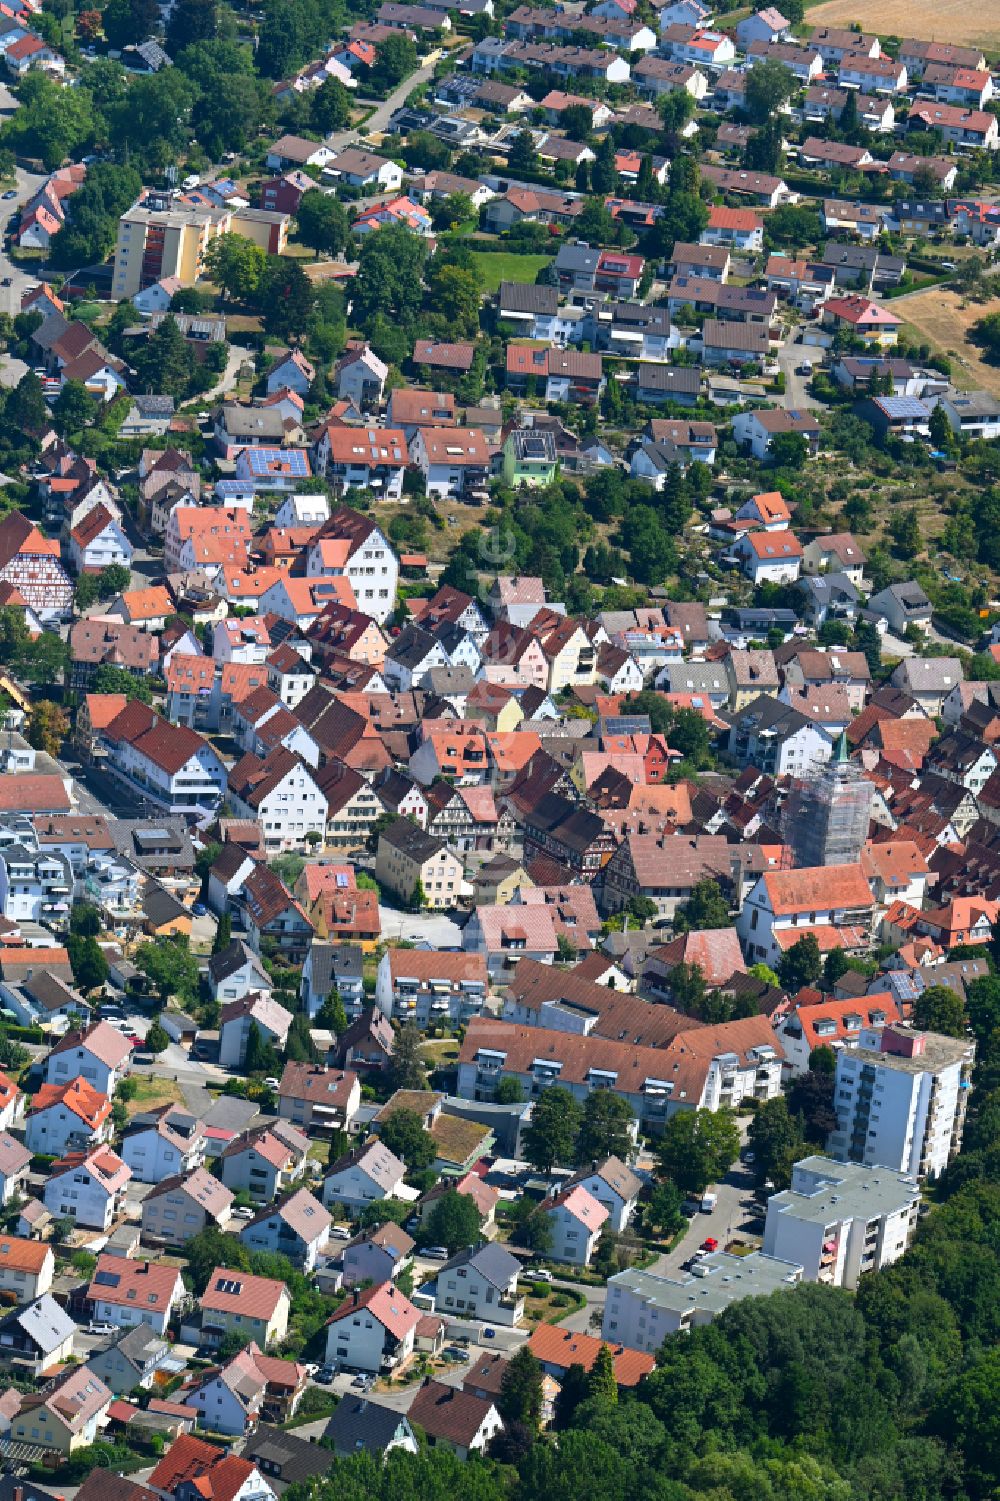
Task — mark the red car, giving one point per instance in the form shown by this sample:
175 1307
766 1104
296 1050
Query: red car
710 1244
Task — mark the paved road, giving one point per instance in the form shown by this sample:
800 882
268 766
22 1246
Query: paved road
380 119
796 397
27 183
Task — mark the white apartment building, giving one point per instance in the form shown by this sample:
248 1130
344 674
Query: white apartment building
841 1219
901 1099
351 545
642 1309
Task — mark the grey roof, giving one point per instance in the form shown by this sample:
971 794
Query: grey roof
153 55
331 962
445 680
360 1424
770 714
140 1346
411 841
577 257
936 673
161 906
655 376
46 1323
14 1155
518 297
140 838
412 646
153 406
232 958
974 403
283 1458
491 1261
253 422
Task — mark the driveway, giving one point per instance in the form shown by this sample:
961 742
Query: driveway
796 397
727 1219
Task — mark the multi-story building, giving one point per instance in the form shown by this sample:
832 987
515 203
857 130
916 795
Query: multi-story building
642 1308
159 237
408 858
841 1219
87 1187
901 1099
424 986
182 1206
352 546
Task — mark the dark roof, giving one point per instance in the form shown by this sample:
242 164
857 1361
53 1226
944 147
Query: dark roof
411 841
283 1457
233 957
331 962
521 298
360 1424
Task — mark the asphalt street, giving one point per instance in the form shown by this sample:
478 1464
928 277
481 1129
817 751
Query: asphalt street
380 119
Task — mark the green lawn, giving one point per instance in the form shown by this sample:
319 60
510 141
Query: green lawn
496 266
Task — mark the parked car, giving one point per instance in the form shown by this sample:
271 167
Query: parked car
199 909
489 1333
541 1275
436 1253
325 1375
243 1212
272 1083
710 1243
708 1202
340 1232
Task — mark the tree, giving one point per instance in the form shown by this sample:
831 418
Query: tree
663 1209
406 1069
26 409
453 1222
776 1138
299 1046
191 21
74 408
236 265
286 295
406 1137
769 85
509 1091
43 660
810 1096
228 117
260 1055
126 22
787 451
109 679
572 1391
165 361
48 726
322 221
85 919
389 278
698 1147
330 108
453 294
87 961
395 59
705 908
520 1397
552 1132
332 1014
938 1009
606 1128
223 934
603 173
822 1059
523 157
171 969
532 1227
904 529
650 545
601 1381
801 964
157 1040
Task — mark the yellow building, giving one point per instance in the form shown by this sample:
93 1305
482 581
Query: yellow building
162 237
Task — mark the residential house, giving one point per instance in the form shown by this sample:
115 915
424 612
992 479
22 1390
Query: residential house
372 1330
410 860
265 1161
258 1010
126 1292
236 1302
87 1187
296 1226
376 1256
67 1117
832 902
318 1098
65 1415
364 1175
481 1282
182 1206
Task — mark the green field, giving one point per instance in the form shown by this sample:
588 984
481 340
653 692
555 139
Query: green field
496 266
